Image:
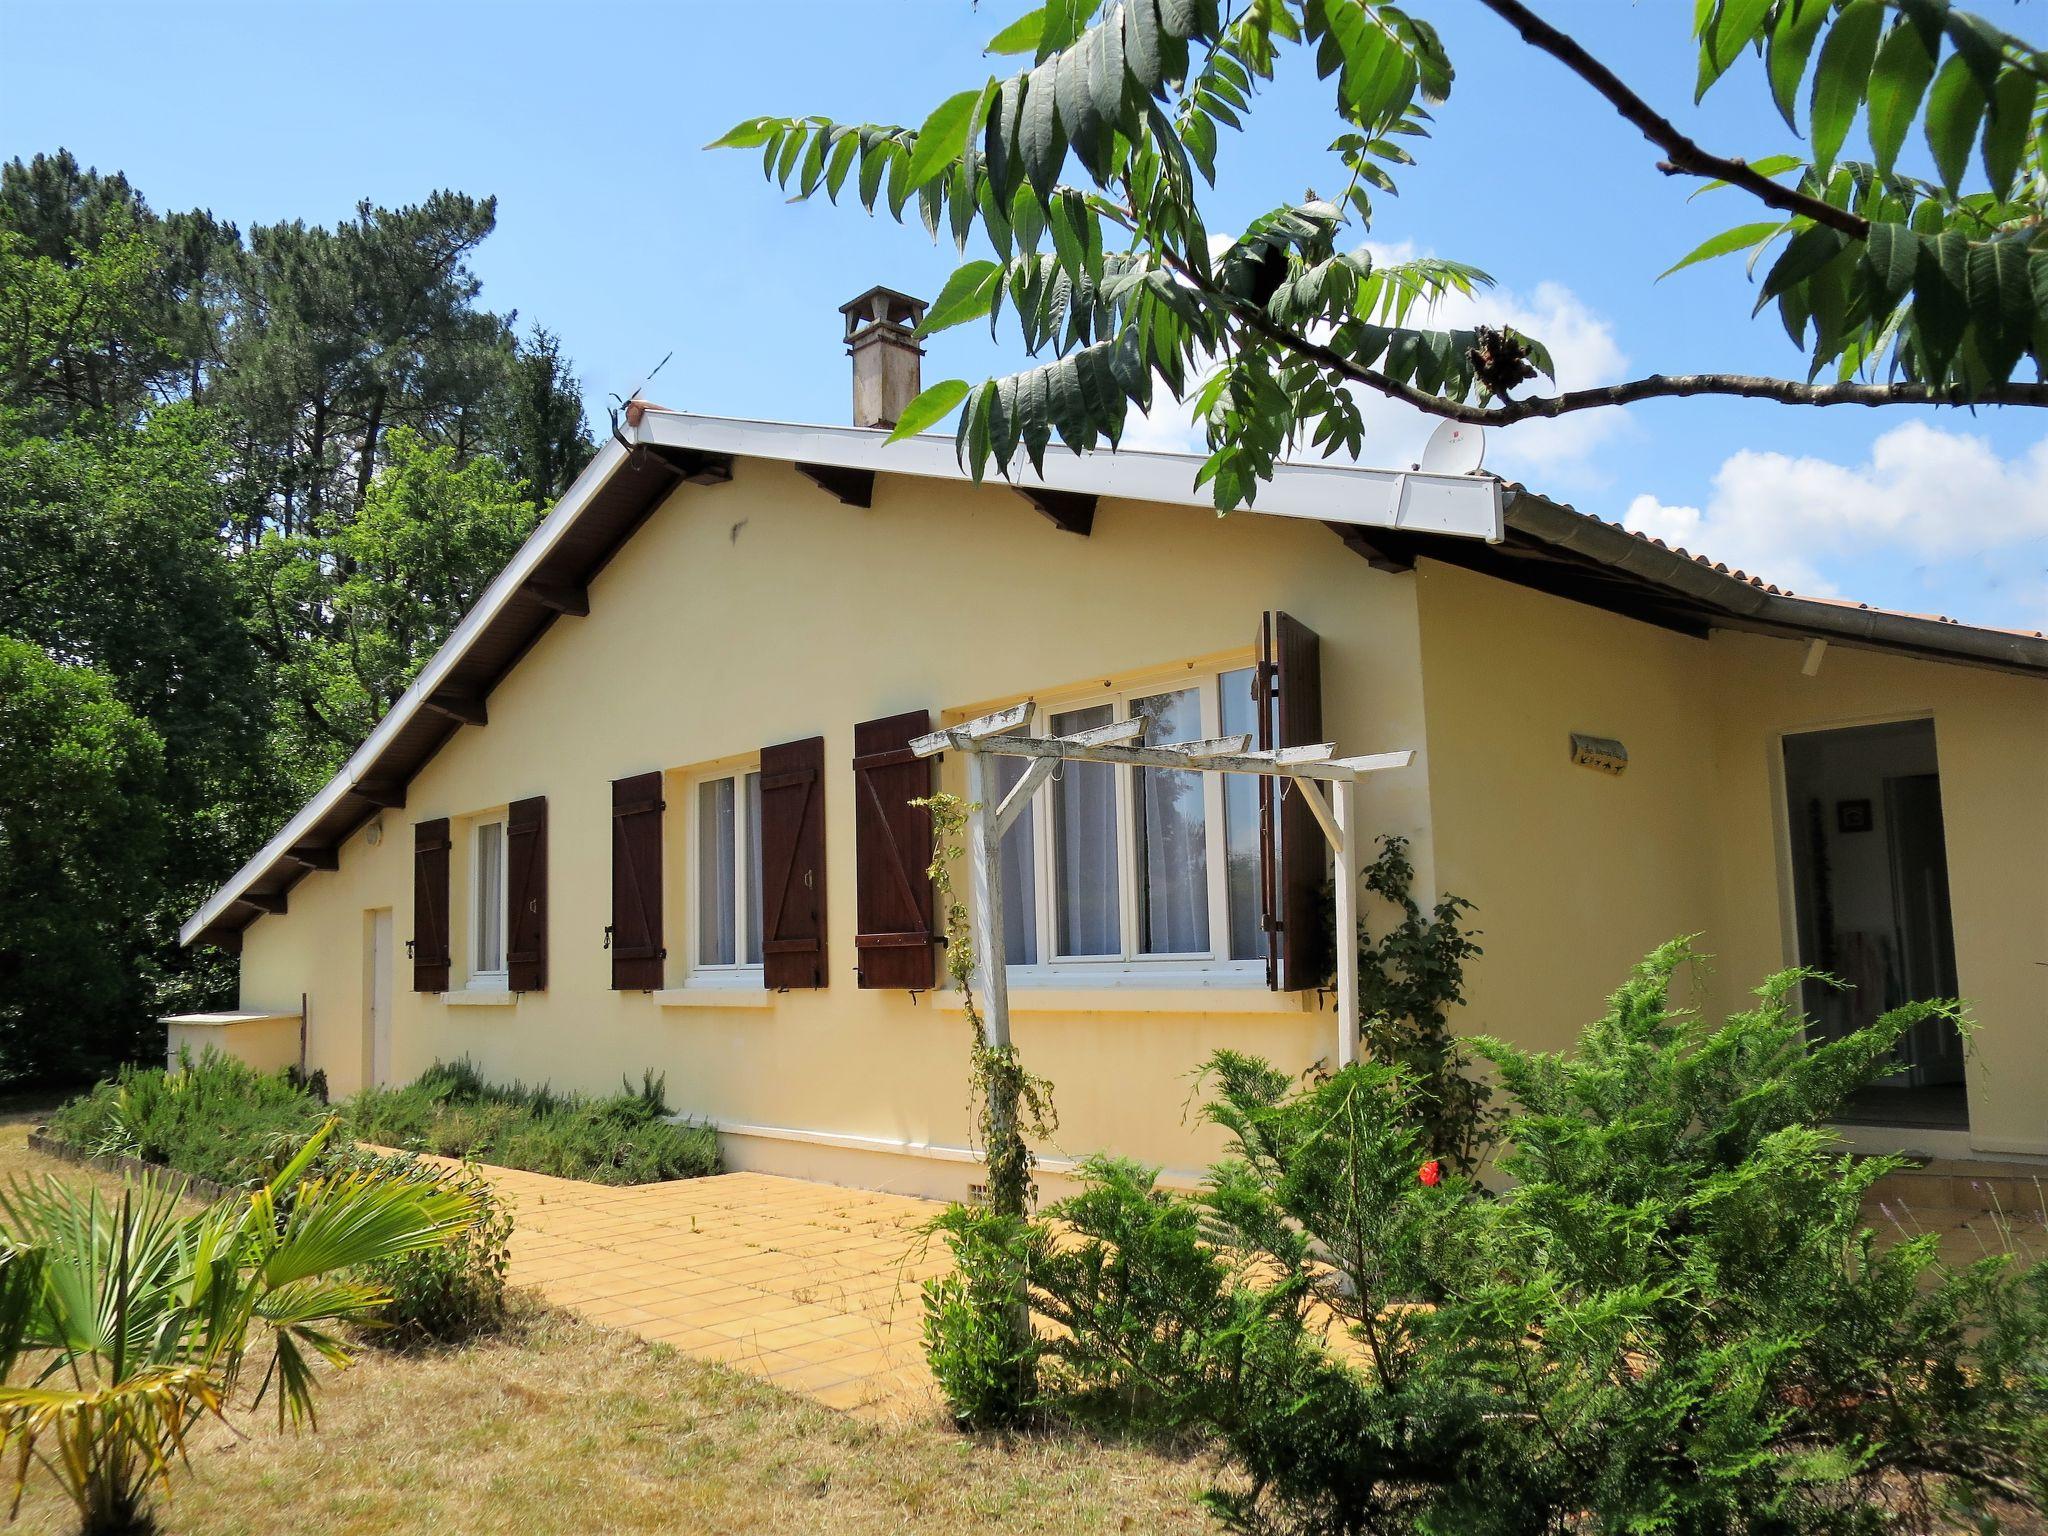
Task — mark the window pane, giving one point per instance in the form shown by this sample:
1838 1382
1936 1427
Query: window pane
1084 846
754 926
1173 845
490 896
1020 875
1239 716
716 851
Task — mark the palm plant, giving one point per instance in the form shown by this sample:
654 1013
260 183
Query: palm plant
126 1323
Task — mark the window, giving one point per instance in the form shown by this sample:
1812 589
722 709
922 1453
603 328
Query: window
726 875
1116 870
487 903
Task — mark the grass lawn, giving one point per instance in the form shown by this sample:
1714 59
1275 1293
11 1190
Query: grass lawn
564 1427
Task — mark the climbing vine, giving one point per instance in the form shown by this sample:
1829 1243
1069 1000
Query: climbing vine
1007 1101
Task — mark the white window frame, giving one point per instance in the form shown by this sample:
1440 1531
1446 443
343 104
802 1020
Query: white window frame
741 973
1132 967
481 980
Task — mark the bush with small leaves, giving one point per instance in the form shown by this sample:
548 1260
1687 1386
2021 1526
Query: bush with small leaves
971 1333
1672 1319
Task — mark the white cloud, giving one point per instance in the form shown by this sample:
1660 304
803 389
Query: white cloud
1946 503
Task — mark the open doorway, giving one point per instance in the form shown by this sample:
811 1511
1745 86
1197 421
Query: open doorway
1870 884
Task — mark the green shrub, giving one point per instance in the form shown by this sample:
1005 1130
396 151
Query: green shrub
1672 1320
454 1292
970 1334
621 1138
216 1118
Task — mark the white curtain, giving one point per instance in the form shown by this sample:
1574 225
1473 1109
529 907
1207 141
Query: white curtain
490 896
1084 845
1020 873
1239 716
1173 840
717 900
755 926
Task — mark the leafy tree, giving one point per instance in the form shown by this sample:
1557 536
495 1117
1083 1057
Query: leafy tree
111 556
1906 290
81 834
350 616
1673 1318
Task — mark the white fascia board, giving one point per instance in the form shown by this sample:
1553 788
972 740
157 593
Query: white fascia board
413 700
1467 506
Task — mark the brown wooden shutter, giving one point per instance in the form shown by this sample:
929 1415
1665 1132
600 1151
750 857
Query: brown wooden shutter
526 875
893 843
429 946
1294 857
635 933
793 864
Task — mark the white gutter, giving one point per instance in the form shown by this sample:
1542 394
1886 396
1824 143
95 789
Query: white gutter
1375 498
1415 500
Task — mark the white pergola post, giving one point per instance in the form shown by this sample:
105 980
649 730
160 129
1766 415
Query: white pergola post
1307 767
985 881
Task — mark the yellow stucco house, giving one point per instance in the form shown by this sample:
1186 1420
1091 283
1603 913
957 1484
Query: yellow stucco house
648 806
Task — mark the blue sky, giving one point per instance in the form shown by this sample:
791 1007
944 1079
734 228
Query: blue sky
619 232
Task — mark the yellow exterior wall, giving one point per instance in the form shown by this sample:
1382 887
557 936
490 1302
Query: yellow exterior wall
763 611
1575 873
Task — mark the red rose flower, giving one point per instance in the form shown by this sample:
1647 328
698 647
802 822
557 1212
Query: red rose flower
1432 1173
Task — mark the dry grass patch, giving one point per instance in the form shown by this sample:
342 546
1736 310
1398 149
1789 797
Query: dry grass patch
560 1426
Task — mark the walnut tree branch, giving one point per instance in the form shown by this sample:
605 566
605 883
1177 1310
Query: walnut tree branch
1655 386
1686 157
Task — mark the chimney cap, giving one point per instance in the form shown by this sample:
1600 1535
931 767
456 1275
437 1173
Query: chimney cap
882 306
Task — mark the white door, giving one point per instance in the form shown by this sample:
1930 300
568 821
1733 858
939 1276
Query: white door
379 994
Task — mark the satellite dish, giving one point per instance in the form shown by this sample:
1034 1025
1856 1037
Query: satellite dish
1454 448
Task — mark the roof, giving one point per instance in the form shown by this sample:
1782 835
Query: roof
653 453
1390 517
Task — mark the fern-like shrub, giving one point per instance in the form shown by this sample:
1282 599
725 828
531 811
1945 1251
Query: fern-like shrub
214 1118
620 1138
1673 1319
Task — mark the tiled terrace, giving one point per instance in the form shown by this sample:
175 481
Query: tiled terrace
817 1288
812 1286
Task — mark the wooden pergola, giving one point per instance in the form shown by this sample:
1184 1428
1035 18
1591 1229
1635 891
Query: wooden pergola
1326 782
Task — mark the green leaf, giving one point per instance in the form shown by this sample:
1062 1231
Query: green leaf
943 138
931 407
1890 255
967 296
1735 23
1791 45
1940 306
1805 254
1899 78
1839 80
1043 146
1955 108
751 134
1740 238
1078 113
1020 36
2001 301
2005 135
1142 53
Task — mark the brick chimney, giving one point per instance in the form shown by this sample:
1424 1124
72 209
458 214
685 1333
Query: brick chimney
881 338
